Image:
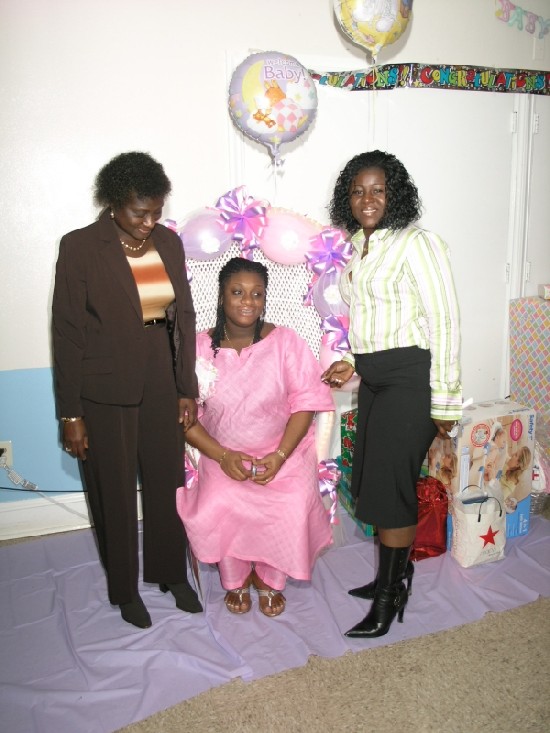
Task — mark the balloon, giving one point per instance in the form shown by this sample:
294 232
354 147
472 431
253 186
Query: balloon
204 236
326 357
272 99
373 23
286 237
326 296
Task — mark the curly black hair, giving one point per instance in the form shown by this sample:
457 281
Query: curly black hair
233 267
403 204
128 174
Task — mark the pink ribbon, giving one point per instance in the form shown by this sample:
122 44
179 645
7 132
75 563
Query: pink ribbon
244 217
335 332
191 474
330 251
329 476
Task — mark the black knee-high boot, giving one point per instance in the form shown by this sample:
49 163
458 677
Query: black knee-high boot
390 596
367 591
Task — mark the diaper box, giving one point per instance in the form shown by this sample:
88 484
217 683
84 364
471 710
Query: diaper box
492 453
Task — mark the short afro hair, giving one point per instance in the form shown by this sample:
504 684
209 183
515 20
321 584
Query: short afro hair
403 205
128 174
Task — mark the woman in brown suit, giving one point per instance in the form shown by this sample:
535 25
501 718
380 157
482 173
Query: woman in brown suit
125 390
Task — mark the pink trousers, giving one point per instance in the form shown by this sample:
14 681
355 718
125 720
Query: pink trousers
233 573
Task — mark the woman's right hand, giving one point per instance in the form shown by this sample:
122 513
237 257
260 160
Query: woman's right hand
75 438
338 373
232 465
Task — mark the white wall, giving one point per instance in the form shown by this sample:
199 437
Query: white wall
85 79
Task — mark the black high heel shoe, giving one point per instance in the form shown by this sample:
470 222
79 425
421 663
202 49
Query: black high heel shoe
135 613
367 591
388 603
186 598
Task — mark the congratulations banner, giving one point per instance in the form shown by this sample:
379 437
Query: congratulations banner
438 76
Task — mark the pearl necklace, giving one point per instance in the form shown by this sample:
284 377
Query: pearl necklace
229 340
133 249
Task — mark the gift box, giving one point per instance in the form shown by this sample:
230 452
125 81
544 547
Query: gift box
530 360
544 291
493 455
348 431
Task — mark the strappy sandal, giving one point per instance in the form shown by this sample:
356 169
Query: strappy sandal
240 593
267 609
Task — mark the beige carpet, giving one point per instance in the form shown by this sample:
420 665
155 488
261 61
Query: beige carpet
492 676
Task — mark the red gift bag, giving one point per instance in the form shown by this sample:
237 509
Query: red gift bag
431 532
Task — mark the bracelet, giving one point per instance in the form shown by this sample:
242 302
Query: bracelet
281 453
70 419
223 456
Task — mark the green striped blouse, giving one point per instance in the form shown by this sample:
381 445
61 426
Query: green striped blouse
402 294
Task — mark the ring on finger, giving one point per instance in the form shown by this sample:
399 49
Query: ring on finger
254 471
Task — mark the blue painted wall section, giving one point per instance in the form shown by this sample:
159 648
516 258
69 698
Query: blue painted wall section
28 419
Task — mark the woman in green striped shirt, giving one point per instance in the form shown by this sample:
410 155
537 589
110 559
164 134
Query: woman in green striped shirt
405 345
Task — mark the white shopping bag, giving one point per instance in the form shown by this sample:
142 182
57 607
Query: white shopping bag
479 531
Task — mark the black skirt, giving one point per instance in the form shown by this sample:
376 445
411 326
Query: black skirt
394 432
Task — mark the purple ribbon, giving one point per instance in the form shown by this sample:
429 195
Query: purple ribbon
308 297
330 251
244 217
335 332
329 476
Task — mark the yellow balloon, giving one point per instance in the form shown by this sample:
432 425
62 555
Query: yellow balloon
373 24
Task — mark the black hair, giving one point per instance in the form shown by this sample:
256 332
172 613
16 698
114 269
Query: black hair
128 174
403 205
232 267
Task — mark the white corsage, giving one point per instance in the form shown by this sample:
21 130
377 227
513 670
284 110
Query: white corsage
207 374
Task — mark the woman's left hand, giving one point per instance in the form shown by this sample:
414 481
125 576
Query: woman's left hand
187 412
267 467
444 427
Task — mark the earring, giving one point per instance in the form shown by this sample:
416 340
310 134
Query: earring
112 215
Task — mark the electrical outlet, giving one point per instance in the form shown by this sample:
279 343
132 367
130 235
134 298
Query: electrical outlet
7 448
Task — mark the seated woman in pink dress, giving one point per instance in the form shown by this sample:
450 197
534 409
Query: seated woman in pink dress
256 509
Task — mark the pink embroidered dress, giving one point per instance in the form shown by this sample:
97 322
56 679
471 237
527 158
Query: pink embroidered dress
246 408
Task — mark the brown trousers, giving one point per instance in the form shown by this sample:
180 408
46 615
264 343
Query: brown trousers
122 441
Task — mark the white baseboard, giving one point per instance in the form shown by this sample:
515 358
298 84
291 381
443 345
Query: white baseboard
45 515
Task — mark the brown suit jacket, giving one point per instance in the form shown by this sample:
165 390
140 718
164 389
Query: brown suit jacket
98 333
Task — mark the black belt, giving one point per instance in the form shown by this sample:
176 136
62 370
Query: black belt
154 322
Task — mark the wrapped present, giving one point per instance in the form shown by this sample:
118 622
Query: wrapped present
348 431
431 531
530 360
544 291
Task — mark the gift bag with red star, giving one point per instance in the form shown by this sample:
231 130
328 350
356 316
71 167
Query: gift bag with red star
479 531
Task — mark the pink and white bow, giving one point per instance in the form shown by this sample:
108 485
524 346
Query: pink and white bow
330 250
329 476
244 217
191 473
335 334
